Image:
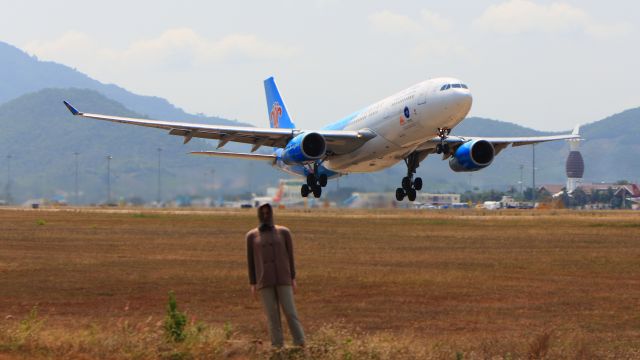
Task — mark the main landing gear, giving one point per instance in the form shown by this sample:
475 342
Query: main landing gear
443 147
409 185
314 184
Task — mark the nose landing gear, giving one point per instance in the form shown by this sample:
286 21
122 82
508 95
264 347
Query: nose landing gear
443 147
315 183
409 185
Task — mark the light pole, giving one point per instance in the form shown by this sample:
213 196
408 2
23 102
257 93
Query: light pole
535 192
8 188
251 177
521 180
77 197
213 182
109 157
159 199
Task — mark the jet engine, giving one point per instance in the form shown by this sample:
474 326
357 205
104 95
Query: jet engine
303 148
472 156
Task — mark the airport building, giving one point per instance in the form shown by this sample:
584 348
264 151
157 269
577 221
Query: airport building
626 193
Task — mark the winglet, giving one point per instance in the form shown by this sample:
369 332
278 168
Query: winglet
71 108
576 130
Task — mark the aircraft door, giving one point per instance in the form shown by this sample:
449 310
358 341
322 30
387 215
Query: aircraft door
421 98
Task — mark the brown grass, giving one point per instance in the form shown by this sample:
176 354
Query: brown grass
373 284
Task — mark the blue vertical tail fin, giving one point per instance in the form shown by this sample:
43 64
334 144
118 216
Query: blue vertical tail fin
277 111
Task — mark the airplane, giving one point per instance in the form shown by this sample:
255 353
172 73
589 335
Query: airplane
406 126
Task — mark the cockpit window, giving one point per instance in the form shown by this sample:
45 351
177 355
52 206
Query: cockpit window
455 86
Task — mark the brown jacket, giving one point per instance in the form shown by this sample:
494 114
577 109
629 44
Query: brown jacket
270 256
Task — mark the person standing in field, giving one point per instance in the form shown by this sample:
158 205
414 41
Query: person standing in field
272 274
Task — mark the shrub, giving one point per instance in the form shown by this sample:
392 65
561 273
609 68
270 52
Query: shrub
175 321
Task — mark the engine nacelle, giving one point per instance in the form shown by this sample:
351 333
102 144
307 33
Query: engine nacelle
472 156
303 148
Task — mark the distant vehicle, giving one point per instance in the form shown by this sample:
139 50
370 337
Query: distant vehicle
427 206
492 205
459 206
407 126
508 202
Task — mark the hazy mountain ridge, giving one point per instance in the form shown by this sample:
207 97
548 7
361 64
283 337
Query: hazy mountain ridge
37 129
22 74
41 135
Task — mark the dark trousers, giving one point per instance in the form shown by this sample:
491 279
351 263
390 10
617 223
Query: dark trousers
273 298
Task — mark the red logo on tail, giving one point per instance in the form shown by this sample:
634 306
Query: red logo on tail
276 113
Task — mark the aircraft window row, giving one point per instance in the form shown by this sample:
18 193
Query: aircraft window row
455 86
403 99
364 116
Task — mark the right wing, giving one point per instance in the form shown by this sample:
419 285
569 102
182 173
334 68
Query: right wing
338 141
499 143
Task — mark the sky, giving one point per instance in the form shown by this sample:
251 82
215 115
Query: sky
543 64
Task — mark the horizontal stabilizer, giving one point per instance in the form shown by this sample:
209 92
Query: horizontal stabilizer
263 157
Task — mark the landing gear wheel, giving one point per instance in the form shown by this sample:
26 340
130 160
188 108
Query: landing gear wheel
311 180
411 194
323 180
305 190
445 148
409 186
439 149
406 183
317 191
417 184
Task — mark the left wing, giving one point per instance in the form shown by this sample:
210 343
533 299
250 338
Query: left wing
338 141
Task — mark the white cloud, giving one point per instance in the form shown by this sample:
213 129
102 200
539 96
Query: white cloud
435 21
185 40
175 48
387 21
431 32
519 16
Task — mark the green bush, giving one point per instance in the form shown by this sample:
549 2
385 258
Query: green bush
175 321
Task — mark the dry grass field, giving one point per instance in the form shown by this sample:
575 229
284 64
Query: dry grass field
389 284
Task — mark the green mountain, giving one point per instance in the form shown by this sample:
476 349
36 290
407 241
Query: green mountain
42 137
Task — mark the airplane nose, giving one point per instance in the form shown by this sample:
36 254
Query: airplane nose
463 98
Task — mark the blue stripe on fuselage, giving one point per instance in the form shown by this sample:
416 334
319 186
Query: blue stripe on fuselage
342 123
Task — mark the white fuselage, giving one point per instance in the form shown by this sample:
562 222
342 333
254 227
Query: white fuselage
428 107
